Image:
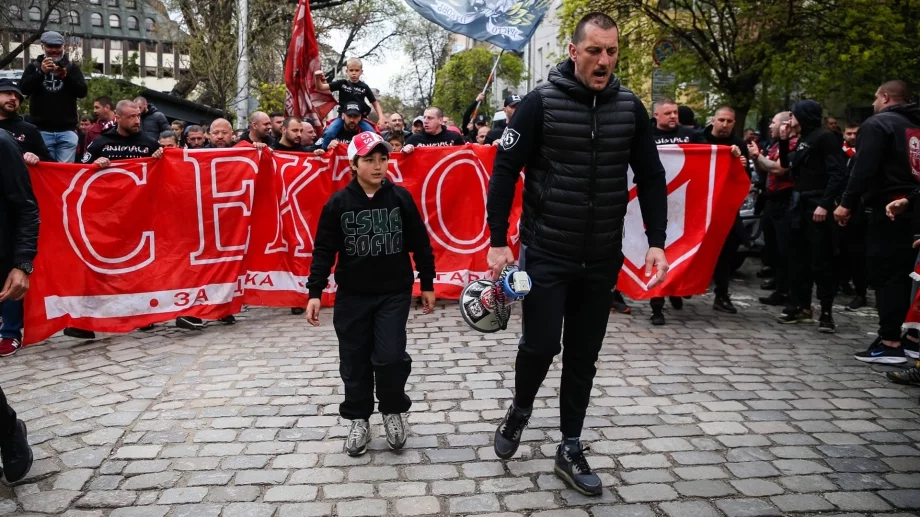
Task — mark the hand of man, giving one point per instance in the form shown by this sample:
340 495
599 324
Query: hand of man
102 162
784 131
842 215
753 150
313 311
498 258
319 152
820 215
736 151
47 65
332 145
480 97
60 71
407 149
896 208
157 154
17 283
30 158
428 300
259 145
655 259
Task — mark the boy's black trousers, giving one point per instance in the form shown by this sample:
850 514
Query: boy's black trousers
372 347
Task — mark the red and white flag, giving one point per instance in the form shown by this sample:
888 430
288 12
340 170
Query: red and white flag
302 99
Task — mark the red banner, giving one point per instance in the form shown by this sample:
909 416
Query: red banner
202 232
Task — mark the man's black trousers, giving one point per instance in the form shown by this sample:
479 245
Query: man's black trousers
776 238
580 295
891 260
853 250
372 346
810 255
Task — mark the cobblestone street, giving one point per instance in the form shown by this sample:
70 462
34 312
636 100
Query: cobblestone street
710 415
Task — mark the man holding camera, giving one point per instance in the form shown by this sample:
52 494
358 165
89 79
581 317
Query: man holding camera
53 85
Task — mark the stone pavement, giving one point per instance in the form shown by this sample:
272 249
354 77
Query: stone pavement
711 415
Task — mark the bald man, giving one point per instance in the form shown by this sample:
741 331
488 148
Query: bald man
220 134
260 131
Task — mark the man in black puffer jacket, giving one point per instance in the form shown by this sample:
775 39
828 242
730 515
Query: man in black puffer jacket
576 134
818 170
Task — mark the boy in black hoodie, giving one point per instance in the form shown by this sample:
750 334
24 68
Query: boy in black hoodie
372 225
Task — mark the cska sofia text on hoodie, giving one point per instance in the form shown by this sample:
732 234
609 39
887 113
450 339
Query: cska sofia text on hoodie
372 237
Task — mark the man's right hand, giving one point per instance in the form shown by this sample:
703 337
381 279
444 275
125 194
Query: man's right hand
332 145
102 162
48 65
896 208
313 307
498 258
480 98
17 283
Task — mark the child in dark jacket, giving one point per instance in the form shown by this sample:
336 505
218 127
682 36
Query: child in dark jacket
372 225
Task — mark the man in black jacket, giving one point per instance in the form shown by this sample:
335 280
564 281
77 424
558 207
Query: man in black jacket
511 103
18 247
818 170
53 85
575 135
29 138
152 121
886 168
433 134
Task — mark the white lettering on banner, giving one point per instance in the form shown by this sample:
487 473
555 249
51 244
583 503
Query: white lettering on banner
209 198
450 12
510 32
141 256
440 171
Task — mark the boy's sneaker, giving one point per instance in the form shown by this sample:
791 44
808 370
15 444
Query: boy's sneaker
619 304
857 303
724 304
358 437
826 323
228 320
657 317
79 333
508 434
797 316
879 353
9 346
572 467
16 453
395 426
776 299
677 302
189 323
909 377
911 348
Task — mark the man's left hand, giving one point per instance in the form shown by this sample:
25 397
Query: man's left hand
820 214
842 215
157 154
60 71
30 158
259 145
17 283
736 151
428 300
655 259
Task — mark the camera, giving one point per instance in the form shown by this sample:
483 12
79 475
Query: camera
61 61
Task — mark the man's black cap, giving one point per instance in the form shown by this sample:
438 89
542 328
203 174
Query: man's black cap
480 119
352 108
512 100
8 85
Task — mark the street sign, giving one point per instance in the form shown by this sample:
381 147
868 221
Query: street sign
663 84
662 50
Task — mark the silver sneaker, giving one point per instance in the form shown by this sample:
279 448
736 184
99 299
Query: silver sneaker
358 437
395 426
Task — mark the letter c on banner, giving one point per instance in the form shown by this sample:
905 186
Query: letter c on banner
142 255
431 193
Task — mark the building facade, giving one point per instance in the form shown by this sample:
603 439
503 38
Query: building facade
112 32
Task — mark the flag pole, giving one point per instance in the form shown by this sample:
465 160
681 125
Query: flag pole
488 82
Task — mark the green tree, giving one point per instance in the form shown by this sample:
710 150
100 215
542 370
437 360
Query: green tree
271 97
116 89
460 80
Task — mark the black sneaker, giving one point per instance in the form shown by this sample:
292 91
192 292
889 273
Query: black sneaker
768 284
228 320
619 304
677 302
857 303
572 467
826 323
776 299
724 304
508 434
189 323
911 348
847 289
147 328
79 333
797 316
16 453
657 318
879 353
909 377
297 311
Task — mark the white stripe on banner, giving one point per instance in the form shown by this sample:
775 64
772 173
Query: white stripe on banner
159 302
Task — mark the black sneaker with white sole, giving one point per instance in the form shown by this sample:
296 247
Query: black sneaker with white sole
911 348
359 435
189 323
508 434
804 316
572 467
826 323
879 353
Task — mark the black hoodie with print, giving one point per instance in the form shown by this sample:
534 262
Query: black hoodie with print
442 139
372 237
818 164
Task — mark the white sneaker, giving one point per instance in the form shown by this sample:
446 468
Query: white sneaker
358 438
395 426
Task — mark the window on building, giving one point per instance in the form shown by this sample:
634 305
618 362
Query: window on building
55 16
73 18
35 14
131 4
150 25
15 12
115 44
114 21
97 43
113 3
96 19
167 47
151 71
132 23
115 69
134 45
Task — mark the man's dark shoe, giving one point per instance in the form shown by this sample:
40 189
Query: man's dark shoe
776 299
857 303
189 323
847 289
826 323
768 284
911 347
677 302
16 453
297 311
909 377
508 434
880 353
796 316
657 318
766 272
619 304
79 333
724 304
572 467
228 320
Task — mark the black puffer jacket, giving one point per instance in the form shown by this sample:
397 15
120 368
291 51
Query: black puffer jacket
153 122
18 209
577 144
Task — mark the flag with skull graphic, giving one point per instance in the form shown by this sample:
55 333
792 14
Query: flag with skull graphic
507 24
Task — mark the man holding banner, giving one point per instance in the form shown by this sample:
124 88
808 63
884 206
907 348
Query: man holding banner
575 134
